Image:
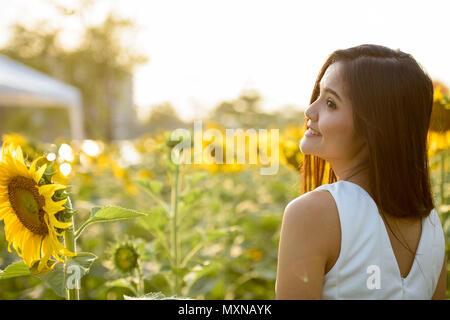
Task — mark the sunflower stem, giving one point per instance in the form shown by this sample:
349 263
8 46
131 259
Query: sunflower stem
174 208
442 182
81 229
70 244
140 281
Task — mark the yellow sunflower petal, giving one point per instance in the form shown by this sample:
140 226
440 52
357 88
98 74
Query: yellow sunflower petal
65 252
33 168
5 204
34 244
59 234
5 170
52 207
58 248
4 211
21 238
4 198
61 250
4 150
38 174
19 155
12 169
9 246
12 225
53 244
4 179
49 189
58 224
46 253
27 253
17 241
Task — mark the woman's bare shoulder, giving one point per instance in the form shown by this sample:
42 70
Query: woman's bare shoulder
317 202
304 247
317 211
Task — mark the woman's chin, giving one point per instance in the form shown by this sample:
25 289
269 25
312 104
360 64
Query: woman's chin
306 148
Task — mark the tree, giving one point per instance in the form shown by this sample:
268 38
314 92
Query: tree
245 112
98 66
163 117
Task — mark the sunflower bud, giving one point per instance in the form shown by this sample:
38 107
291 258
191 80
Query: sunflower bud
125 257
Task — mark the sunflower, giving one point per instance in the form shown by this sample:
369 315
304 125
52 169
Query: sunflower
28 210
14 139
125 256
28 146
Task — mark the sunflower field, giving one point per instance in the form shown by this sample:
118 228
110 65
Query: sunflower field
199 231
121 220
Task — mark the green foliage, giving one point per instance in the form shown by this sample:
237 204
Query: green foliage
227 227
16 269
83 261
108 213
228 231
59 276
56 279
111 213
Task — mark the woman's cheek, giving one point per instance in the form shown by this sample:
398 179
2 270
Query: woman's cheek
336 142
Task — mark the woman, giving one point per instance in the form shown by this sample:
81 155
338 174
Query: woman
372 231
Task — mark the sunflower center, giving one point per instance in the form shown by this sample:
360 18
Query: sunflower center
27 204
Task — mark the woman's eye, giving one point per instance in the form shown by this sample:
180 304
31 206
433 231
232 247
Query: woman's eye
331 104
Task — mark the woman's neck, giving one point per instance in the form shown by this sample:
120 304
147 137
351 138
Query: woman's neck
358 174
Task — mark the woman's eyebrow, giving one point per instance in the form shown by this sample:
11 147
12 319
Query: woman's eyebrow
333 93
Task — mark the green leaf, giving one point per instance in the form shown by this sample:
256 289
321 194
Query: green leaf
155 220
55 279
94 211
212 235
121 283
154 186
108 213
16 269
83 260
76 268
192 196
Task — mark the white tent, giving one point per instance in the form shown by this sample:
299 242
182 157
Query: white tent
23 86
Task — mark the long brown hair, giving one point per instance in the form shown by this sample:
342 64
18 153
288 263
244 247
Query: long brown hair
392 98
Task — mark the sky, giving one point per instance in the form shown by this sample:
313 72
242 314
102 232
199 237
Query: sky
202 52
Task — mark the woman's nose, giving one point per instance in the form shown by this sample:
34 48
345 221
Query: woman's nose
310 113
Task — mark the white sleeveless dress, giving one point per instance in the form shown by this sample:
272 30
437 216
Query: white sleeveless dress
366 267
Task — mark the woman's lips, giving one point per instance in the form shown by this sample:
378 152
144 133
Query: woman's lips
312 133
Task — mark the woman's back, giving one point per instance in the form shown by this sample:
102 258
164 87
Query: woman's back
366 266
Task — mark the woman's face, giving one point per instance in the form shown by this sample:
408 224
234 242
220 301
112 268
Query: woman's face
331 115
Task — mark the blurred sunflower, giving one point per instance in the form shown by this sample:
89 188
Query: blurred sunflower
28 147
125 256
28 210
254 254
438 141
14 139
